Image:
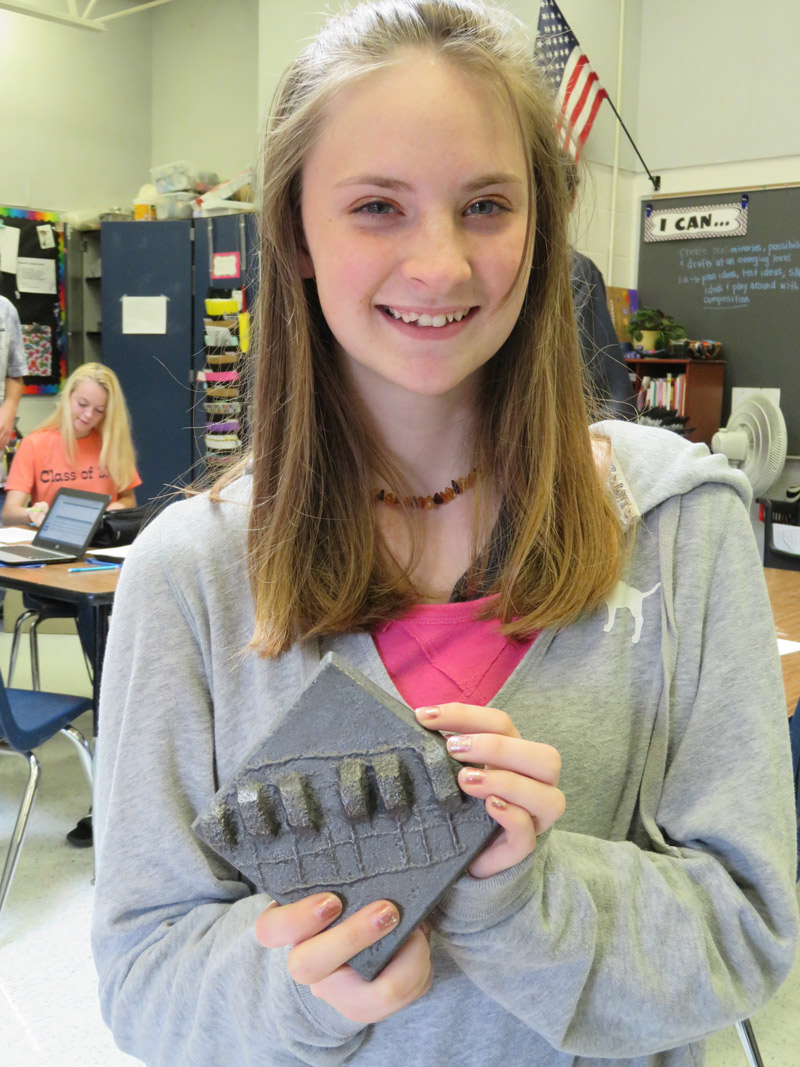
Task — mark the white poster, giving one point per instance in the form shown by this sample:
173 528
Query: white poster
9 247
743 392
689 222
226 265
36 275
46 236
144 314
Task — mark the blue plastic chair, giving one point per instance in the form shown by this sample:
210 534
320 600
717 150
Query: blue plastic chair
748 1039
39 609
28 718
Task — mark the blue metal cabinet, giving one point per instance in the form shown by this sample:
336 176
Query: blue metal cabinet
155 370
158 372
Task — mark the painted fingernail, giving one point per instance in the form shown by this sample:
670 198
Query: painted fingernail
474 776
499 803
428 713
386 917
327 908
459 743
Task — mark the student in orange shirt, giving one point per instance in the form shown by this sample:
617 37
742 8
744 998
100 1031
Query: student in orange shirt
85 444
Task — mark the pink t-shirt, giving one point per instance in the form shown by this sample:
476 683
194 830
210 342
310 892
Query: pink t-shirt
441 652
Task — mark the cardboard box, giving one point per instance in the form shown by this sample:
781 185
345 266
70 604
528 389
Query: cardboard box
621 304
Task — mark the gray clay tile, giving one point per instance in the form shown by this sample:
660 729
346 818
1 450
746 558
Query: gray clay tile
349 793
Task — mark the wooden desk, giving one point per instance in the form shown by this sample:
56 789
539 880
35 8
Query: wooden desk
784 596
91 594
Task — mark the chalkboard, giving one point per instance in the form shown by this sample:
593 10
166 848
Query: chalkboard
742 290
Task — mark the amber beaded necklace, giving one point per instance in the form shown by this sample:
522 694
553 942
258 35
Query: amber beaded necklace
456 487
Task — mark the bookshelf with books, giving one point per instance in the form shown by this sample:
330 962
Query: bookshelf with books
692 387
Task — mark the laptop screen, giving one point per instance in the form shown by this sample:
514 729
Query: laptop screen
71 519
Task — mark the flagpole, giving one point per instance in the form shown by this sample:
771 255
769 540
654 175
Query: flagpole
615 178
655 180
566 54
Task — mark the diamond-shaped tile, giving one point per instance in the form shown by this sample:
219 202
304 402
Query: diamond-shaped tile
349 793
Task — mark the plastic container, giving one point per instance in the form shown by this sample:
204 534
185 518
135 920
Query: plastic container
182 175
143 211
116 214
172 177
223 407
174 206
221 306
223 442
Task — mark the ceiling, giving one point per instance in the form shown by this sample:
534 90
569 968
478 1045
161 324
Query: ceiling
82 14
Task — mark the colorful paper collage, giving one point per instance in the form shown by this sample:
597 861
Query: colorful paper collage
22 219
38 343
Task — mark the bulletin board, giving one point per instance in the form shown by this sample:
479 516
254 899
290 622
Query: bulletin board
32 278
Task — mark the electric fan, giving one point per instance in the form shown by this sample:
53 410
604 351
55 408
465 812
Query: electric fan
755 441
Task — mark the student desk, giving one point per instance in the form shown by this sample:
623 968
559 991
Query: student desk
784 596
92 595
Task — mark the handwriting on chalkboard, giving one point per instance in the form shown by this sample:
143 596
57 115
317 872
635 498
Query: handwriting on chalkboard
732 275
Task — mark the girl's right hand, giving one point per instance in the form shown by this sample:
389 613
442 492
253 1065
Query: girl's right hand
37 512
319 955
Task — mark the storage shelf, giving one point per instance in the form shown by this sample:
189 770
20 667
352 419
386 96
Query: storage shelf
84 285
705 379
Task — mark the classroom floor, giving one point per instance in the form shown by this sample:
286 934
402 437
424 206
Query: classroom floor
49 1013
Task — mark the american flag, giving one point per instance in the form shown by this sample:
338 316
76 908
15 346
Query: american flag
567 69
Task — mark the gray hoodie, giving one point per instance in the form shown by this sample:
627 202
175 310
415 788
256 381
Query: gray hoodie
660 908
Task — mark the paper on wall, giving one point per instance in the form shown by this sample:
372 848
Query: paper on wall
36 275
46 236
9 247
144 314
226 265
743 392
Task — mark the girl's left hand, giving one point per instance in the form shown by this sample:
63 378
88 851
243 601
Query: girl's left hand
518 779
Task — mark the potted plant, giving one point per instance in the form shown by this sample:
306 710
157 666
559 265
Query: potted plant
652 329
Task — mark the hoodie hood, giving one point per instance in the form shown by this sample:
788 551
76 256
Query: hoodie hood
649 465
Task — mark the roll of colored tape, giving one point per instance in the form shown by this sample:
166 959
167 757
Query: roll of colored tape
222 306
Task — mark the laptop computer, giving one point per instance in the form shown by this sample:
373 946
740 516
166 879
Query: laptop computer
65 533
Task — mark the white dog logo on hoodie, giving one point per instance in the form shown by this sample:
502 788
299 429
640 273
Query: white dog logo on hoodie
625 596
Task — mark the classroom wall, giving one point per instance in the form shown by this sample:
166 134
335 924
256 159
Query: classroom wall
728 122
283 29
86 115
205 84
703 108
718 81
75 111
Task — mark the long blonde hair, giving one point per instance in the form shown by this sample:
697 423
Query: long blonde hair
117 454
317 562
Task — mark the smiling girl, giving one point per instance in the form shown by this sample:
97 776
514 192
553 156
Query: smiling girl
425 497
85 444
